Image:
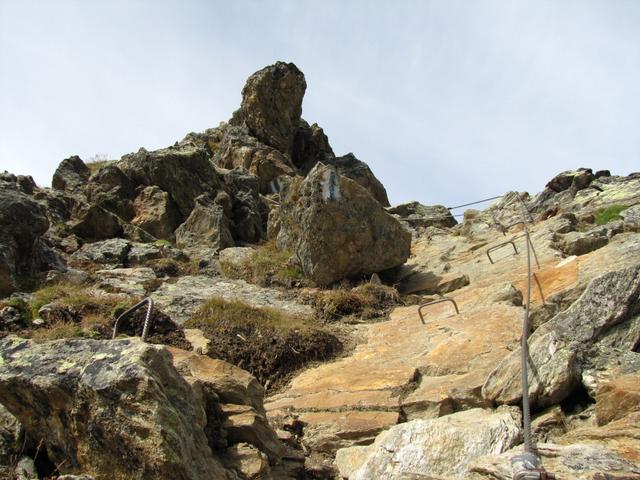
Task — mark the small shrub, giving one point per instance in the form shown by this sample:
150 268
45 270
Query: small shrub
98 161
609 214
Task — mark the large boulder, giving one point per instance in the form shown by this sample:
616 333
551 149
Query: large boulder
577 345
272 105
23 254
111 409
185 172
71 175
422 216
443 446
576 179
208 224
337 229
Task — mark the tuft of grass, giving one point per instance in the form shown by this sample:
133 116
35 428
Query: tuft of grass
216 313
609 214
162 243
368 301
58 331
267 266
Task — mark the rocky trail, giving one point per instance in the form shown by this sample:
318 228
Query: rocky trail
286 338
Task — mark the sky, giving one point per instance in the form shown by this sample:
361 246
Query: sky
448 101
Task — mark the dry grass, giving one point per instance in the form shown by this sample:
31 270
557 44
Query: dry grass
58 331
367 301
267 266
216 312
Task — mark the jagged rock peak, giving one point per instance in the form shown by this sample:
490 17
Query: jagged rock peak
272 105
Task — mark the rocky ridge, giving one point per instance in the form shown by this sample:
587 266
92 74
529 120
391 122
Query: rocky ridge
264 250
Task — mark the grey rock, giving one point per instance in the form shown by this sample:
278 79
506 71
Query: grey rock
336 229
111 189
26 469
578 179
580 243
140 253
563 347
180 299
11 319
422 216
238 149
575 462
116 408
208 224
247 222
358 171
414 279
631 218
156 213
310 146
272 104
440 447
11 433
106 252
184 172
71 175
23 252
132 281
94 222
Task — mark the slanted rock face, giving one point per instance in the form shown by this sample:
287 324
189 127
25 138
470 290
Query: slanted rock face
336 229
565 348
22 224
111 409
272 105
71 175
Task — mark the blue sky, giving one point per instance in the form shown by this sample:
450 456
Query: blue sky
447 101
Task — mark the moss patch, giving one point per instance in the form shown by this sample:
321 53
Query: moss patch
609 214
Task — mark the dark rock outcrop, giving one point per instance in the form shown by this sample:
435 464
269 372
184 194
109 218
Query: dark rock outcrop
208 225
422 216
358 171
310 146
71 175
272 105
23 253
336 229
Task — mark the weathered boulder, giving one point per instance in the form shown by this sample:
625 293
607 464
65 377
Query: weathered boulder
336 229
71 175
579 243
358 171
631 218
156 213
208 224
443 446
132 281
23 253
185 172
566 347
272 105
418 215
106 252
114 409
111 189
576 179
239 149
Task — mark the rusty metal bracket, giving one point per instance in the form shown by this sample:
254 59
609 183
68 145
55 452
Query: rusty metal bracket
510 242
147 319
443 299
